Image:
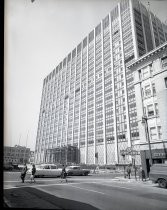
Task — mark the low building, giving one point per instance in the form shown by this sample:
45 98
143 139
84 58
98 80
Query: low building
150 80
63 155
16 155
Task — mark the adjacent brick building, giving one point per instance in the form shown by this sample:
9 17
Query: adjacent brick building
16 155
150 82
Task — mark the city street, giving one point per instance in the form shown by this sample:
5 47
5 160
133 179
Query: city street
85 97
97 191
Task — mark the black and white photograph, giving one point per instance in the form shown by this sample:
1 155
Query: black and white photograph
85 104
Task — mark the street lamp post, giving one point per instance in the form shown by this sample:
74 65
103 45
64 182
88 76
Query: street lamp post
66 154
123 155
144 121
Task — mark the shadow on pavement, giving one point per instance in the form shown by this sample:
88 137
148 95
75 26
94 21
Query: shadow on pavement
157 186
33 198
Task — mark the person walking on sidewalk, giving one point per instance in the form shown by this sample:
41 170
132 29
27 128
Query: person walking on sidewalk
135 171
23 172
63 174
128 170
33 171
142 175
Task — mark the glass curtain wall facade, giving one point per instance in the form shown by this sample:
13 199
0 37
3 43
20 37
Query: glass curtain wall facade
88 100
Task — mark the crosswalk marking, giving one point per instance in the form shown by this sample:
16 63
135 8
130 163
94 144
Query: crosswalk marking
36 185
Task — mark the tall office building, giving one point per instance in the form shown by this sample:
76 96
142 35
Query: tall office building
88 100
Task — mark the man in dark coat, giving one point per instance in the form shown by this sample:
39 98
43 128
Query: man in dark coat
33 171
63 173
23 173
128 170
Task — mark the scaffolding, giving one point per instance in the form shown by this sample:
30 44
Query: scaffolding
62 155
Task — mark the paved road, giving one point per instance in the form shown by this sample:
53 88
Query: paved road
92 192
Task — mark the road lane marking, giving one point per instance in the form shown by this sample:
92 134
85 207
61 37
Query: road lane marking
64 184
78 179
89 180
113 186
89 190
34 185
30 180
43 185
86 182
108 185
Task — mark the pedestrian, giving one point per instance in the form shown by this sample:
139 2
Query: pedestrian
63 174
128 170
143 175
97 169
23 172
33 171
140 173
135 170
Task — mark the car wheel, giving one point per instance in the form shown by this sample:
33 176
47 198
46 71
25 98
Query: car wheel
162 183
85 174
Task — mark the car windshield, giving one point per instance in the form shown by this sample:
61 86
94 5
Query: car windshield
46 166
41 167
73 167
53 167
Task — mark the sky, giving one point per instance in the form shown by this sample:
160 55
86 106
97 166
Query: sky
38 36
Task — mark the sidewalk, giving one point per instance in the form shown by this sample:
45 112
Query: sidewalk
27 198
33 198
133 180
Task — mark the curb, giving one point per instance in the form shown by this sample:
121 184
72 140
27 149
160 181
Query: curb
133 180
6 203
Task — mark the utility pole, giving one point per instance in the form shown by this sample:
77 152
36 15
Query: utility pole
144 121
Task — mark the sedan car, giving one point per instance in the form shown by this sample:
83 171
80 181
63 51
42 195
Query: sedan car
76 170
46 170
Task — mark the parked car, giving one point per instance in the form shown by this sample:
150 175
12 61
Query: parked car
76 170
158 174
8 167
46 170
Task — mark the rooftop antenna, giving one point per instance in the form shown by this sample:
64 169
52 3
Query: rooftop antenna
19 139
148 3
27 138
